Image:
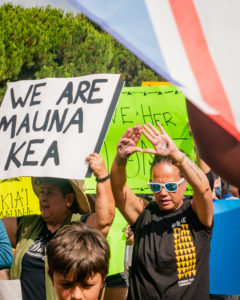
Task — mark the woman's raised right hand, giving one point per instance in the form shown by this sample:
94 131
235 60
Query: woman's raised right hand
127 145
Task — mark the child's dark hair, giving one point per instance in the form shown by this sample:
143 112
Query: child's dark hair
79 249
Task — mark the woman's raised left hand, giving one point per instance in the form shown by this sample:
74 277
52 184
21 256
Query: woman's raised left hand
162 143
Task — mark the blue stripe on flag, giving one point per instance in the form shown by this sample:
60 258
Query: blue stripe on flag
130 13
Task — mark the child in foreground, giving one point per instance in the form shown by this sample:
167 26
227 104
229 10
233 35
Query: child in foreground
78 257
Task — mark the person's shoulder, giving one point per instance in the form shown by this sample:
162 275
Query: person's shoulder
143 202
150 208
152 205
25 223
28 219
145 199
187 201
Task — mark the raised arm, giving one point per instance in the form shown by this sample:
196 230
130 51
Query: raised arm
128 203
202 197
104 213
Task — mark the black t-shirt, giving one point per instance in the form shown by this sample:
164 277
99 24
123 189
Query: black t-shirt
170 255
33 268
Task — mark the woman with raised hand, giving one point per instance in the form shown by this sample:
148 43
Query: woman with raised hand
171 235
62 202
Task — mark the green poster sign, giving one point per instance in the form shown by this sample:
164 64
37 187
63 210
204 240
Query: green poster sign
117 242
138 105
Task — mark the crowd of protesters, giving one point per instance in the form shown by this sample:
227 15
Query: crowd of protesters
64 254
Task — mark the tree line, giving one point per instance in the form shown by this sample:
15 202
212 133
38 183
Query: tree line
45 42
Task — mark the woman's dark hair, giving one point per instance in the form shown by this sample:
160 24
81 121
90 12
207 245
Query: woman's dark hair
79 249
63 185
161 159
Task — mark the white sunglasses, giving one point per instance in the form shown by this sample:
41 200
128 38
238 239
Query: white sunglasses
171 187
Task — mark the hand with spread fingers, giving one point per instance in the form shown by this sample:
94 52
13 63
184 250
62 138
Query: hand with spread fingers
163 144
128 142
97 164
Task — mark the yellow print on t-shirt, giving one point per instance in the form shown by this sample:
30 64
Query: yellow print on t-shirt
185 252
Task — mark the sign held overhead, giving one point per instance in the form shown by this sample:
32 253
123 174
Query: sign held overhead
49 126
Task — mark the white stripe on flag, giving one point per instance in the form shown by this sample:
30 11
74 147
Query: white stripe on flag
173 51
221 31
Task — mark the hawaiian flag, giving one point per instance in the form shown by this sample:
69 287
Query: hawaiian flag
193 44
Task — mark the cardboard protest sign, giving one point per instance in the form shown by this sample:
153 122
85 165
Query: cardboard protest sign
10 289
17 198
138 105
49 126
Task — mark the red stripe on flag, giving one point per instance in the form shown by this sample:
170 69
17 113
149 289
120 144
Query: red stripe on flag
201 62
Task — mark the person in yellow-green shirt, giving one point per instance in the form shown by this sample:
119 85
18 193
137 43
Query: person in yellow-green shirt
116 283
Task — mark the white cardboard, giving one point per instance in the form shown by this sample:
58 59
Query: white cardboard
27 151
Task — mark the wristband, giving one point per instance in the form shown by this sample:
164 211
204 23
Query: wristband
179 162
103 179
